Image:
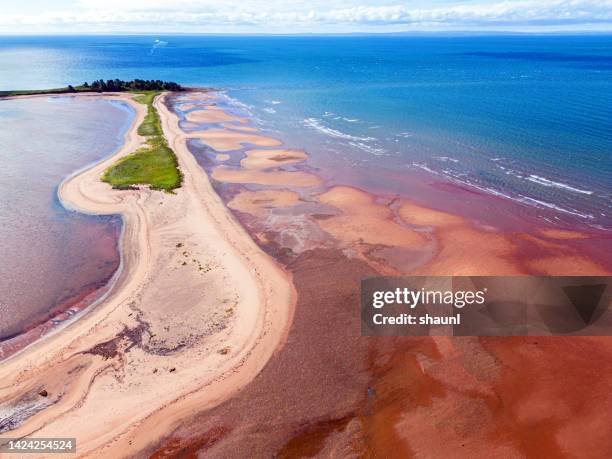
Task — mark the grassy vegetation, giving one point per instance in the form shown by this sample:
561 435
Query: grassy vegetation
154 165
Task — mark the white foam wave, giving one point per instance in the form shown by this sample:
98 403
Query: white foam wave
237 104
368 148
447 159
520 198
425 168
269 110
550 183
316 124
555 207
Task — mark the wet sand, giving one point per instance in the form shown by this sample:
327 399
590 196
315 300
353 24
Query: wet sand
211 116
267 159
224 140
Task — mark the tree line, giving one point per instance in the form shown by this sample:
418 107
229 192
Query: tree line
133 85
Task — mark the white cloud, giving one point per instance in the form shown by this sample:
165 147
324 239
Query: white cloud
276 15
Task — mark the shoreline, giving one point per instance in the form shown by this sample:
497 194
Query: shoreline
117 333
331 391
323 212
72 309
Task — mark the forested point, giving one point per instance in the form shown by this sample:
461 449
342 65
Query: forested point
115 85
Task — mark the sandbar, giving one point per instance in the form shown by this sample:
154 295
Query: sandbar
227 140
267 159
212 115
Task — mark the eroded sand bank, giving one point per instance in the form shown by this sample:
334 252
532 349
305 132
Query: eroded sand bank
196 313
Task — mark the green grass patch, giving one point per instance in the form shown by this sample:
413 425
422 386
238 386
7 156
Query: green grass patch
154 165
151 126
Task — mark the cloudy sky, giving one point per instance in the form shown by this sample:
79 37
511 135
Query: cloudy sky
301 16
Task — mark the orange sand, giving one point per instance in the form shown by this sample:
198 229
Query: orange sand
364 225
562 234
227 140
463 249
266 159
211 115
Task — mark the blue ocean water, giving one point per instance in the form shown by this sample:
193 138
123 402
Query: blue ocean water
525 118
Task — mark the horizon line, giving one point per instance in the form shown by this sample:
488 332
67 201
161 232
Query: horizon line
369 33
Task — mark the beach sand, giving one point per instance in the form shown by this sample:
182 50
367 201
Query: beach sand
195 314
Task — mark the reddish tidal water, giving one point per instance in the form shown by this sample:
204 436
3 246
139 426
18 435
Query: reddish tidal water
50 256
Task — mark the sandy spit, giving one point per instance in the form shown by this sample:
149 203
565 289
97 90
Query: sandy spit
195 315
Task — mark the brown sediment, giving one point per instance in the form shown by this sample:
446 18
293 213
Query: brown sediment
266 159
228 140
178 447
320 375
276 178
567 265
553 394
257 203
222 157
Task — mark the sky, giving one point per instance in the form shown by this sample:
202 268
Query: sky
301 16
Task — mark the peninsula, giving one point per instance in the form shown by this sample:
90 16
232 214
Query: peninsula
196 312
